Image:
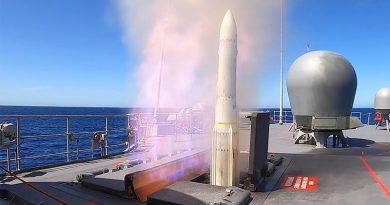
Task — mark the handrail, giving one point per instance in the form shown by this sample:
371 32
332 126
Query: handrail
77 141
64 116
68 134
288 116
42 135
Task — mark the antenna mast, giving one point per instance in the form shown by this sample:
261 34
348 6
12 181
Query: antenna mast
281 64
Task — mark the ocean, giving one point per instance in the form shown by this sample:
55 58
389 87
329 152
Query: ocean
32 147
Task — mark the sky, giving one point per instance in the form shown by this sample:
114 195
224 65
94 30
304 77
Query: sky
76 53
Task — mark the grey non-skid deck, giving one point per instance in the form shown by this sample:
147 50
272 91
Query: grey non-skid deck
341 180
342 176
60 182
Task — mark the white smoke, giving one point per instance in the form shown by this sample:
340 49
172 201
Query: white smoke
189 32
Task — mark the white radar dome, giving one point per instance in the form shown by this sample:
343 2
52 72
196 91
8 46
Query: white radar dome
323 84
382 100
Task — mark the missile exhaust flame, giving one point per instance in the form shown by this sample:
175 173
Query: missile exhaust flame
143 183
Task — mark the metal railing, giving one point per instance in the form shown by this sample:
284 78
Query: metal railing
43 137
288 117
79 143
357 114
67 128
168 124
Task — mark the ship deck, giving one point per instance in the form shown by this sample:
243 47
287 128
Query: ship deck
358 174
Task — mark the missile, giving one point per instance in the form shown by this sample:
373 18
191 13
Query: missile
225 139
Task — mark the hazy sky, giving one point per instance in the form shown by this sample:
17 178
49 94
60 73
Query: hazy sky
75 53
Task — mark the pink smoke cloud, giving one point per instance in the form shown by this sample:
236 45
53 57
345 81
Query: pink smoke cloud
188 32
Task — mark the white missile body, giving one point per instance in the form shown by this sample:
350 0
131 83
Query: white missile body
225 139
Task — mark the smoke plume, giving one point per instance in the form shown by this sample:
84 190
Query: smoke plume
187 32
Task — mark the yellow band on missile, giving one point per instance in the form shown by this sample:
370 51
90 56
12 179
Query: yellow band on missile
226 123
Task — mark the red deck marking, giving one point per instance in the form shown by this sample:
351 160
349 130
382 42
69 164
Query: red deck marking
375 176
116 163
305 183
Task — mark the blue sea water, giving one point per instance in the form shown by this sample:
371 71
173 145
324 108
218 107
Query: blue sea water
34 146
57 144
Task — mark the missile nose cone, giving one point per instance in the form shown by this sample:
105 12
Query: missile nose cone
228 27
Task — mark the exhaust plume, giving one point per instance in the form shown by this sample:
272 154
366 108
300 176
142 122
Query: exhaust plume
187 31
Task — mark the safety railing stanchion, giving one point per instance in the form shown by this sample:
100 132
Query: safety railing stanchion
128 120
8 158
92 146
293 118
368 118
274 116
176 127
67 140
17 155
190 128
285 116
77 148
106 138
